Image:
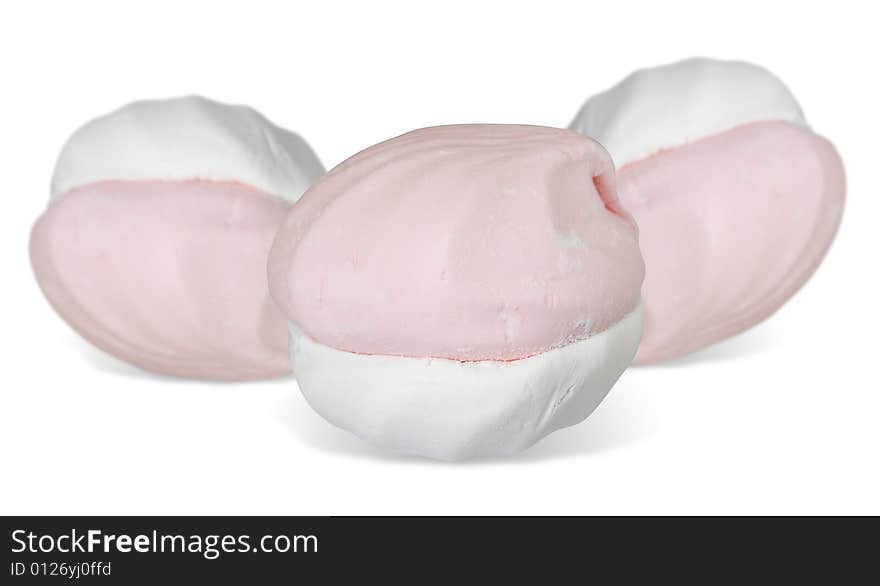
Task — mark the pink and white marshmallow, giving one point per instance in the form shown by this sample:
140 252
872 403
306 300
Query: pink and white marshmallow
736 199
155 241
461 291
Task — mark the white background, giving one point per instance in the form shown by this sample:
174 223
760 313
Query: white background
782 419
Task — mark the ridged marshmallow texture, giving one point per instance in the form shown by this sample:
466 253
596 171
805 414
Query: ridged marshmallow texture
183 139
458 280
737 201
155 241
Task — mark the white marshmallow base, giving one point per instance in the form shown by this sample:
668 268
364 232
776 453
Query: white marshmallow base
665 107
451 410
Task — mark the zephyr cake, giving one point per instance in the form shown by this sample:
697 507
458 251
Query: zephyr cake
736 199
155 241
461 291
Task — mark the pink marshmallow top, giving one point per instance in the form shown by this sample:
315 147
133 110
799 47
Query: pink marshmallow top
731 226
167 275
469 242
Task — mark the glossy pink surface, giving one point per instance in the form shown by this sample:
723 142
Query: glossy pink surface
469 242
170 276
731 226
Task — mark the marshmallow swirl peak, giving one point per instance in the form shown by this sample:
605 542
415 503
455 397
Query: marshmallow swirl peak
467 242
